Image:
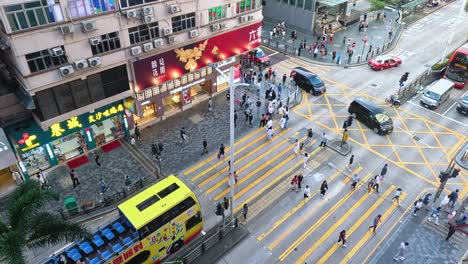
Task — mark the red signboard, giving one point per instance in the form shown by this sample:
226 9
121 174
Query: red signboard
175 63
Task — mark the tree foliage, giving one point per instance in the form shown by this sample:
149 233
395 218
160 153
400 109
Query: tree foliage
380 4
30 226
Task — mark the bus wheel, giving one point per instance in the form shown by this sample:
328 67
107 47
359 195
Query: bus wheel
177 245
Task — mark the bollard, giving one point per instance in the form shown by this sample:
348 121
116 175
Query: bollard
358 58
378 49
367 56
372 54
269 42
286 48
277 44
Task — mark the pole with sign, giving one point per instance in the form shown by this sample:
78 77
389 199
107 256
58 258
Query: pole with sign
364 41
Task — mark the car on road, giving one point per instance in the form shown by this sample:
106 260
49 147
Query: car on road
259 56
371 115
384 62
462 106
436 94
308 81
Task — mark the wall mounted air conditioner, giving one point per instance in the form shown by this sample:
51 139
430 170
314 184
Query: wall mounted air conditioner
88 26
95 41
81 64
171 39
94 61
132 13
148 19
158 43
242 19
167 31
55 52
193 33
215 27
67 29
174 9
66 70
147 46
147 10
250 17
135 50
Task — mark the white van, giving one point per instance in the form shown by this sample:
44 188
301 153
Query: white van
436 94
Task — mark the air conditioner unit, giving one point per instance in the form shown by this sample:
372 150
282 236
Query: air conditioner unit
147 46
148 19
167 31
171 39
94 61
250 17
131 13
135 50
88 26
174 9
81 64
66 70
67 29
215 27
147 10
158 43
95 41
242 19
55 52
193 33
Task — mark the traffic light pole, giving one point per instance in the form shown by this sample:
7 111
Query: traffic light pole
447 172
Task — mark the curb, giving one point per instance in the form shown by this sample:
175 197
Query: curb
335 145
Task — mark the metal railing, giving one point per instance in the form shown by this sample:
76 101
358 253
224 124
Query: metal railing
415 86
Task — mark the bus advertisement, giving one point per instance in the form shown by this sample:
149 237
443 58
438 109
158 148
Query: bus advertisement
457 68
151 225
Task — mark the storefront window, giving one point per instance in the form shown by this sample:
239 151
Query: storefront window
36 159
108 130
70 146
171 103
197 92
149 113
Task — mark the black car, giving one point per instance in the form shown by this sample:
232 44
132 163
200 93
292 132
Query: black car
462 106
308 81
371 115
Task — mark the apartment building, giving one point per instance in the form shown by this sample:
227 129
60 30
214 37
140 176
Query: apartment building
93 68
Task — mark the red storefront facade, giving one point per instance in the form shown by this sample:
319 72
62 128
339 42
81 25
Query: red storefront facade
175 80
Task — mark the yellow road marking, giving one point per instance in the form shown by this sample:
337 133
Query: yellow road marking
306 100
314 226
268 173
196 167
350 176
295 209
362 133
237 161
393 226
250 163
368 235
331 112
340 221
394 149
437 139
259 168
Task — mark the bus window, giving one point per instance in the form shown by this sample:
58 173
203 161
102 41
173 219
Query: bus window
147 203
193 221
168 190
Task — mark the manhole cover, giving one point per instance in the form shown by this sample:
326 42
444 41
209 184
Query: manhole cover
416 138
373 85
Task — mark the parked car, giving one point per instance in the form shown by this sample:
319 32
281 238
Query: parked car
462 106
371 115
384 62
308 81
259 56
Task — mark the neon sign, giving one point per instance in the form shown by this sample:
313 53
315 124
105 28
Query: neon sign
28 140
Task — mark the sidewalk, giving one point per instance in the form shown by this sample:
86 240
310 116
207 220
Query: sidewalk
376 34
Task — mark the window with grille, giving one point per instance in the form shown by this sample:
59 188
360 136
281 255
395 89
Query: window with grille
129 3
42 60
109 41
33 14
247 5
216 13
183 22
82 8
143 33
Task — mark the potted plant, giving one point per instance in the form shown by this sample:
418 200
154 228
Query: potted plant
439 68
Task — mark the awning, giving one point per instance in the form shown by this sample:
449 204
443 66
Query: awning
331 3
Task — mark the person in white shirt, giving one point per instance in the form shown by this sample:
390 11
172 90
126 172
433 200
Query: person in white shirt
306 158
306 192
401 251
132 141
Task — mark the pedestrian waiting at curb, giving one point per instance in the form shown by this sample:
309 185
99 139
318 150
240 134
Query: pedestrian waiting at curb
426 201
221 153
245 210
434 216
226 203
323 141
453 198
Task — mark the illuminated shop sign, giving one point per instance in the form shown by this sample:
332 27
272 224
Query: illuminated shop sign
28 142
86 120
175 63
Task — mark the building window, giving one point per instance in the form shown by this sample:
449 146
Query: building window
143 33
216 13
41 60
129 3
183 22
82 8
245 6
300 3
292 2
308 4
109 41
33 14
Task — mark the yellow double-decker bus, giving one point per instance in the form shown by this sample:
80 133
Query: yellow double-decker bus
151 225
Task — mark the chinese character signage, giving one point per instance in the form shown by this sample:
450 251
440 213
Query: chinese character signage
175 63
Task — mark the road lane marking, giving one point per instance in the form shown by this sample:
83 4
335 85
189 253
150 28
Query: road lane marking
316 224
337 224
251 162
368 234
196 167
405 213
446 111
259 168
393 147
236 161
296 208
451 119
